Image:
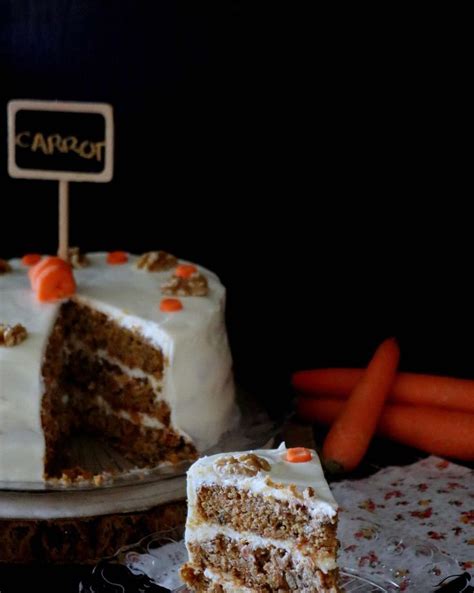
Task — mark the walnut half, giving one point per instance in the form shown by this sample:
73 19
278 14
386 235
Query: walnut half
156 261
4 267
11 335
194 285
245 465
77 259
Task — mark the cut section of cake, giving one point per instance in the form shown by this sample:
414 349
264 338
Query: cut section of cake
155 384
261 521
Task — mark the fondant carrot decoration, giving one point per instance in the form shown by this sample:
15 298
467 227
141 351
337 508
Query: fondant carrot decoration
117 257
408 388
35 271
170 305
185 270
350 435
298 455
30 259
55 282
441 432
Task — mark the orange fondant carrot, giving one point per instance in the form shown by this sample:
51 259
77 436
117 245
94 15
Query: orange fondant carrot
408 388
36 270
170 305
30 259
442 432
117 257
351 433
55 282
185 270
298 455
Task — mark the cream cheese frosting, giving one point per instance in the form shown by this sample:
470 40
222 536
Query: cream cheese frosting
277 482
197 383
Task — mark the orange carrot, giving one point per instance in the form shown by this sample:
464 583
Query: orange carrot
55 282
30 259
351 433
298 455
117 257
170 305
185 270
434 430
409 388
36 270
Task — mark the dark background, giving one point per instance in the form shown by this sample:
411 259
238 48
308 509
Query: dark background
314 161
320 163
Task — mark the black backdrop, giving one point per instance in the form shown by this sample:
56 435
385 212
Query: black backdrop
316 162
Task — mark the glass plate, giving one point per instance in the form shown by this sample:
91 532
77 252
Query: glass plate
406 562
255 430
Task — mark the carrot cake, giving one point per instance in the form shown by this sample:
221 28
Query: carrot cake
138 355
260 521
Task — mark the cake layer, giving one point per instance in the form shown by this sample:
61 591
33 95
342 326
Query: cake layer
94 374
207 582
98 332
216 581
141 444
262 515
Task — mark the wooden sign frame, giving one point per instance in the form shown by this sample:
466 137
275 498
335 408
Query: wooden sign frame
103 109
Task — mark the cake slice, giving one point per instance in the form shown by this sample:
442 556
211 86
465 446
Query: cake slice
261 521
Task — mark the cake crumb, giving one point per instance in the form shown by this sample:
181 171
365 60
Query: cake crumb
246 465
5 267
156 261
12 335
195 285
77 259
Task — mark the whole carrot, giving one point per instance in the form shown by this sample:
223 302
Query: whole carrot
442 432
408 388
348 440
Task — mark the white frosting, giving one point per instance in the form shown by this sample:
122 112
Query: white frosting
282 473
155 383
197 382
140 418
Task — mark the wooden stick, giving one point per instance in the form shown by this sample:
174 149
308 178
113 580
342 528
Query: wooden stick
63 250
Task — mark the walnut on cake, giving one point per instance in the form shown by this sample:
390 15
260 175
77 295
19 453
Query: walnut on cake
5 267
11 335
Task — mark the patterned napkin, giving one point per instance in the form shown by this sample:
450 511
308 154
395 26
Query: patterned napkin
409 527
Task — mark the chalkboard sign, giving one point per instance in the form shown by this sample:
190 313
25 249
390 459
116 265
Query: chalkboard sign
60 140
